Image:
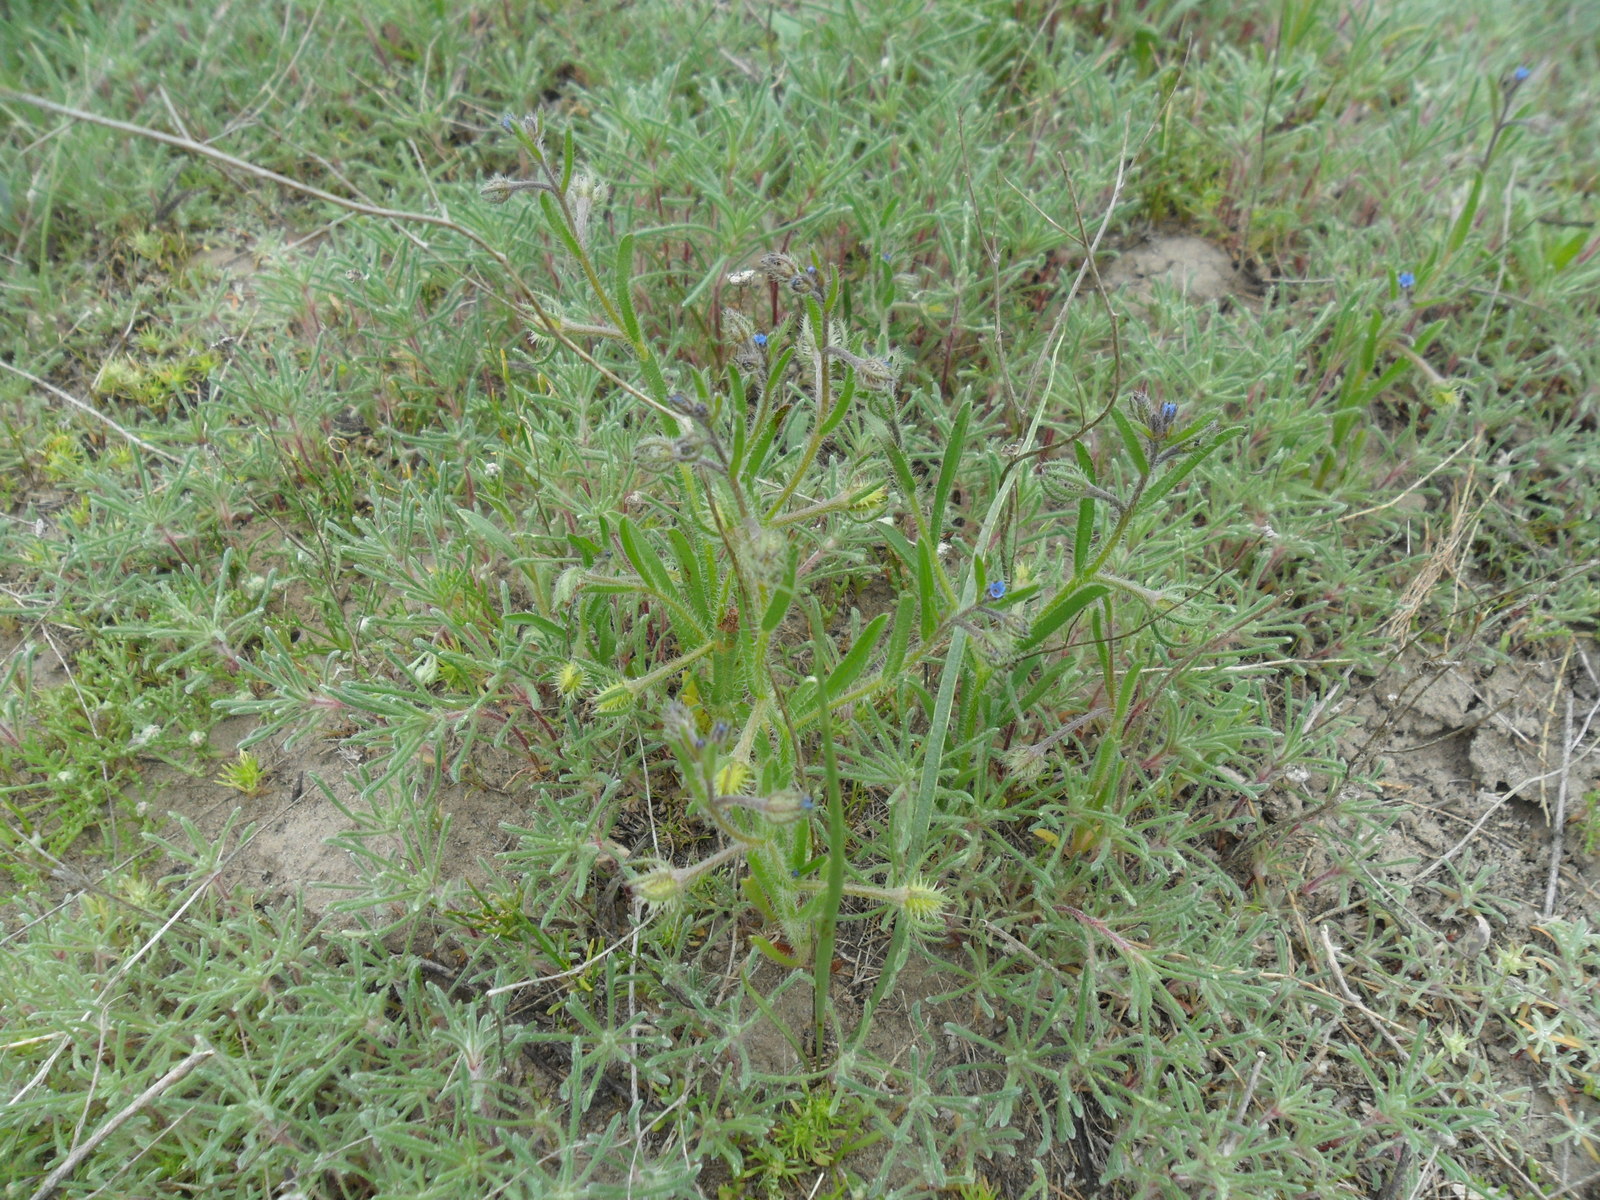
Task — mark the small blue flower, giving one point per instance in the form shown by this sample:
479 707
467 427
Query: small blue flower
996 589
760 339
1520 74
1407 281
811 270
1169 412
505 123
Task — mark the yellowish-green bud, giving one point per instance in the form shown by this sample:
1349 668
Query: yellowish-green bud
921 901
870 500
661 886
732 777
571 678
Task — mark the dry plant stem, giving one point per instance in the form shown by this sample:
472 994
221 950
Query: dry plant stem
1558 819
1472 443
1447 558
1575 1187
1231 1142
619 944
83 406
69 1164
551 324
1349 995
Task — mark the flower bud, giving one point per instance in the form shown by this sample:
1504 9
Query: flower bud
661 886
571 678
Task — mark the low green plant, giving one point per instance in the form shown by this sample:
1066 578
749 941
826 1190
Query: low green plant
740 556
244 774
802 1150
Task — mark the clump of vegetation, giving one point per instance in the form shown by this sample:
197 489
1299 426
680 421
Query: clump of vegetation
897 679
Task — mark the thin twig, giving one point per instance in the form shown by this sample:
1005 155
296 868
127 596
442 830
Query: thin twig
1349 994
1231 1142
69 1164
1558 819
1471 443
620 944
93 412
550 323
1574 1187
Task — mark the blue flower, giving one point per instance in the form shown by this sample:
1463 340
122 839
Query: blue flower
996 589
1169 412
505 123
760 339
1407 281
1520 74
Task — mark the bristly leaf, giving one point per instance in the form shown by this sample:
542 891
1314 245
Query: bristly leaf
1463 222
1083 538
557 220
1067 605
899 637
623 287
1131 441
1085 461
1177 474
782 596
947 469
841 405
692 576
642 555
855 660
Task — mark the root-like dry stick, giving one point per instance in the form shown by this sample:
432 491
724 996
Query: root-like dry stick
550 324
84 406
69 1164
1349 994
1558 819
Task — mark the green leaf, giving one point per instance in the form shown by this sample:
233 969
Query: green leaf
948 468
899 637
646 562
551 629
1129 690
855 660
485 532
1184 469
841 405
557 220
623 287
1083 541
692 579
1085 461
908 485
927 590
1463 222
1131 441
1067 605
904 549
